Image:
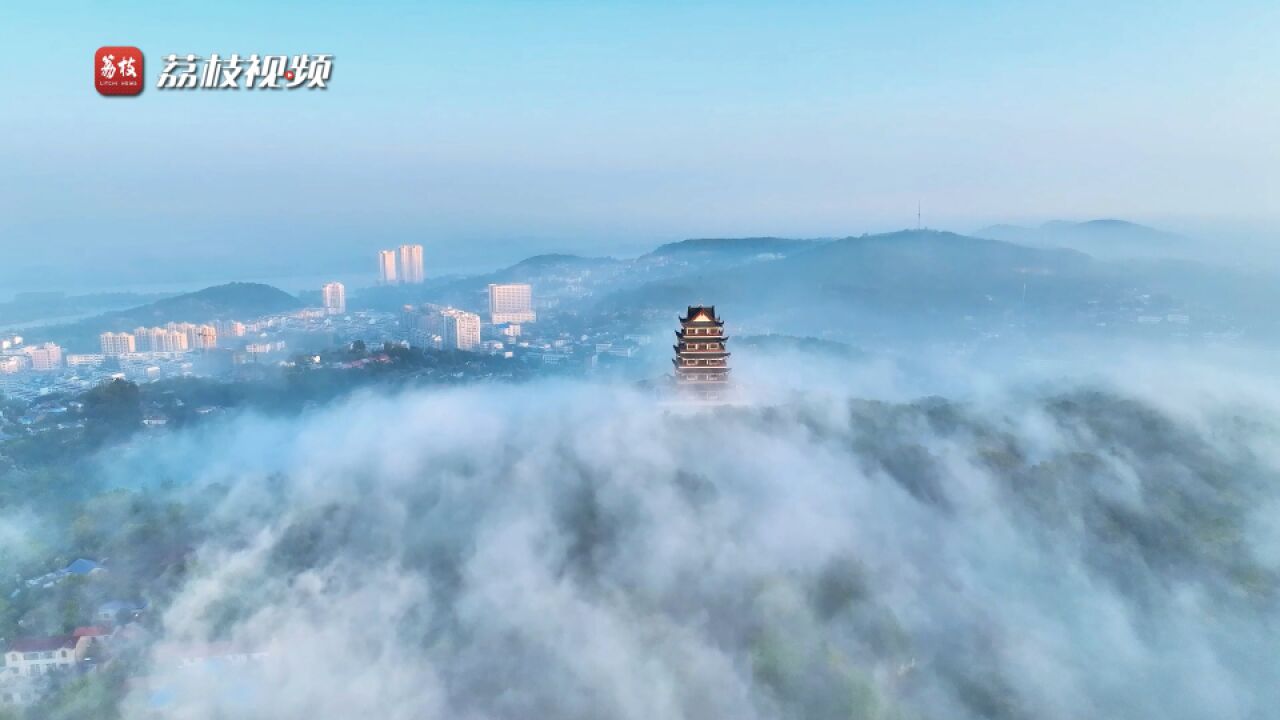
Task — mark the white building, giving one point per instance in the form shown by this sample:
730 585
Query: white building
12 364
387 267
196 337
335 298
411 270
460 330
44 357
85 359
166 340
32 657
117 344
229 328
511 303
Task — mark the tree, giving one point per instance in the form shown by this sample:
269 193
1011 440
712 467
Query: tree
112 410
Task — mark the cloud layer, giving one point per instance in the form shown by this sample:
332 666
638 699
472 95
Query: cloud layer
584 551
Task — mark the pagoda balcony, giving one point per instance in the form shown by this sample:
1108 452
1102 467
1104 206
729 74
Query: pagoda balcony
719 379
720 361
699 351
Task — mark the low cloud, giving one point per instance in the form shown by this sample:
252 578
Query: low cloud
585 551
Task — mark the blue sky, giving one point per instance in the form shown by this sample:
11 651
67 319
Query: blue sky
491 130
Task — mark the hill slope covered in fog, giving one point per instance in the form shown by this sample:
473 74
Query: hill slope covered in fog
584 552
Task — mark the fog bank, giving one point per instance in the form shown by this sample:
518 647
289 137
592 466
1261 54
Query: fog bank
1034 550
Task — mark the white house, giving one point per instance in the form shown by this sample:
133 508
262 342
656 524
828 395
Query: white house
32 657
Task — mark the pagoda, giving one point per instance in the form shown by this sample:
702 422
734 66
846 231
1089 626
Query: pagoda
701 361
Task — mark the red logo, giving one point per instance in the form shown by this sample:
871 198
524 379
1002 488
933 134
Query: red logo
118 70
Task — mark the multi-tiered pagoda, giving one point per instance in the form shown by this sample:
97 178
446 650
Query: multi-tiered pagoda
702 367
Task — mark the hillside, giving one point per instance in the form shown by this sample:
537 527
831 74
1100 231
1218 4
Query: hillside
1105 239
738 247
233 300
34 307
942 286
891 279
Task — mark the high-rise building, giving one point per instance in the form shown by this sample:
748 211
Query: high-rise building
189 330
411 270
142 339
419 325
460 329
701 361
44 357
204 338
117 344
387 267
166 340
335 298
194 337
511 303
229 328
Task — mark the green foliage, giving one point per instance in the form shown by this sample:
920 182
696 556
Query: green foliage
112 410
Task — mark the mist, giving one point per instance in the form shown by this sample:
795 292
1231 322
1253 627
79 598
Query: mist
838 543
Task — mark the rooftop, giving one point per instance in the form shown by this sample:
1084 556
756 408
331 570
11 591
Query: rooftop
81 566
701 314
42 644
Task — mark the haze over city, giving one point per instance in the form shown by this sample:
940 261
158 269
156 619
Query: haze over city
499 130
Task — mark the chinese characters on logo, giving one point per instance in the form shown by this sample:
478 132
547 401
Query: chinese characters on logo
186 72
117 70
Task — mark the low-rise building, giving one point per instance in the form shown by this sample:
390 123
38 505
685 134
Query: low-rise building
33 657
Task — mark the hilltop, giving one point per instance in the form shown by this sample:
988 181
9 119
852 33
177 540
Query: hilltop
232 300
1105 238
733 246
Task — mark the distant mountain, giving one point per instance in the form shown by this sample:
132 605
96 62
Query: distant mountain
902 263
56 306
909 282
233 300
734 247
792 343
540 265
241 301
1106 239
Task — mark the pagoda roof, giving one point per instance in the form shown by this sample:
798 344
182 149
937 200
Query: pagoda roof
701 314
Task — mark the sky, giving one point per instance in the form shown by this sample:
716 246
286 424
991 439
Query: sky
489 131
